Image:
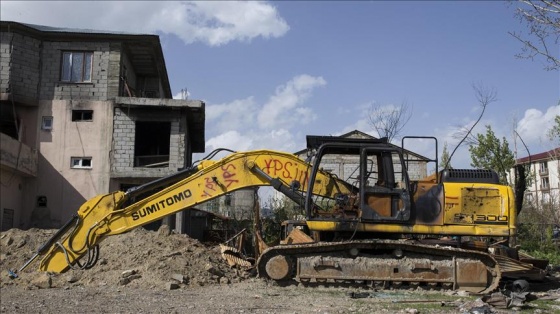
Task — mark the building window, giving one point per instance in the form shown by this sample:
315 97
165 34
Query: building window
41 201
151 144
47 123
545 198
545 185
543 168
82 115
80 162
76 66
213 206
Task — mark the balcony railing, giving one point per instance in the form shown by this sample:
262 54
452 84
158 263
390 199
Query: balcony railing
17 156
152 161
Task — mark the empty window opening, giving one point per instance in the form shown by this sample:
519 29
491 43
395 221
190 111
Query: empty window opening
76 66
8 120
41 201
82 115
151 144
80 163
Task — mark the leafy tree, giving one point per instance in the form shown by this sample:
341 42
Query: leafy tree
282 209
543 22
491 153
554 132
539 220
445 162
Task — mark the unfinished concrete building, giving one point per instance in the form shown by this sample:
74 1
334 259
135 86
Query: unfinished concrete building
84 113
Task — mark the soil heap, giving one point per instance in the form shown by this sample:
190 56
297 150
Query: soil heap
139 258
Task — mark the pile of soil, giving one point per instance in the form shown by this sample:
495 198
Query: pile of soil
139 258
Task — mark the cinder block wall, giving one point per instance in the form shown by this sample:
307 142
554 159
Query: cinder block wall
124 136
19 64
105 72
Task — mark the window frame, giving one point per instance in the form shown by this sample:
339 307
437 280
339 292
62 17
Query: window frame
81 113
545 183
44 125
80 161
67 71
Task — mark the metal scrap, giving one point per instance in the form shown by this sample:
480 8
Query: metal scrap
233 257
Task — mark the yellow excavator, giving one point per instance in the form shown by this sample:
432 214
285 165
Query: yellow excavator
366 221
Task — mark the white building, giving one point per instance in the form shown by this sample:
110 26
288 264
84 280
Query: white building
544 188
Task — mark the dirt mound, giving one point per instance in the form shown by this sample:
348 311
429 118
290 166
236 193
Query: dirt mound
139 258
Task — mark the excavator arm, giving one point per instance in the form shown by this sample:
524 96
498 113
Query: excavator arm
111 214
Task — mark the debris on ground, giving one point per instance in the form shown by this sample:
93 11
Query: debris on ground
165 263
139 258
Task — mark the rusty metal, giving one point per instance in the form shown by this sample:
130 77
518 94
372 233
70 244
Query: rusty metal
378 264
297 236
512 268
278 267
233 257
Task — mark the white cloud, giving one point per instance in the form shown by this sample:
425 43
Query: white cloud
245 140
279 140
212 22
233 125
236 115
231 140
535 124
284 107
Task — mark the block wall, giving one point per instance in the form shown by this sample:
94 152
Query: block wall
104 83
20 64
122 159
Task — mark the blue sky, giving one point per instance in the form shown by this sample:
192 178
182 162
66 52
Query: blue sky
272 72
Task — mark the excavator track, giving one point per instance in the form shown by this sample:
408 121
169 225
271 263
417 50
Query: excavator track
381 263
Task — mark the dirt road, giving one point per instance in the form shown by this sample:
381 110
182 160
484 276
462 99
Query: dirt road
158 272
250 296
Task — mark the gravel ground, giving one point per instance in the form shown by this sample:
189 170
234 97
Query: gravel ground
138 272
251 296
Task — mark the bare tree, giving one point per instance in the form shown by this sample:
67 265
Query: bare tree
389 121
543 21
484 96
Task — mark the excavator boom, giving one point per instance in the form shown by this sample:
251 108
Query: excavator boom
108 214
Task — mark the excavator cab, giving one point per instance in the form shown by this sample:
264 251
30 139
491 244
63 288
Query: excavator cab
371 183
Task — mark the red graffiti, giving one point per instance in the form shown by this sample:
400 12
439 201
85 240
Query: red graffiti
228 176
288 171
211 184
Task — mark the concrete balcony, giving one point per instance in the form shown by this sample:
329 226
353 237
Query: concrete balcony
18 157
